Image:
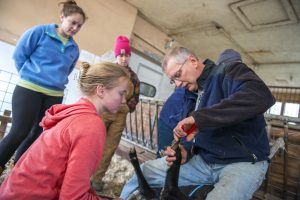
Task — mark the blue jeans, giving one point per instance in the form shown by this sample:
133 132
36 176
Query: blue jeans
231 181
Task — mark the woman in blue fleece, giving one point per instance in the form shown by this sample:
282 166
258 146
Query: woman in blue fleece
44 56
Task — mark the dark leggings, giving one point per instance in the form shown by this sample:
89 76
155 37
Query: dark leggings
28 109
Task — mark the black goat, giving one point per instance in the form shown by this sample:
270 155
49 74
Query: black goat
171 190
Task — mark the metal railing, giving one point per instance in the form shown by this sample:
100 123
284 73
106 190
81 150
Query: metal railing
284 170
8 82
141 126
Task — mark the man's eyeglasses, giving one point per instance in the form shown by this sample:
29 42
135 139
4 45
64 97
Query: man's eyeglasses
178 73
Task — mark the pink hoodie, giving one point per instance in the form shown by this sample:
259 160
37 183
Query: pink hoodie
60 162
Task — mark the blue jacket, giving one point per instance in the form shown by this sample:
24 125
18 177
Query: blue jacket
230 115
177 107
42 59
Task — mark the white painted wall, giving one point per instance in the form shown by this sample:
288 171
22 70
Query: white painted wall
280 75
6 61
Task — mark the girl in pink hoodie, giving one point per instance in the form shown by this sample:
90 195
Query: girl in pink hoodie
61 161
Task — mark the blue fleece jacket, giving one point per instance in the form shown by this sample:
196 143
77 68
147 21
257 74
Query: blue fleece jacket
177 107
42 59
230 115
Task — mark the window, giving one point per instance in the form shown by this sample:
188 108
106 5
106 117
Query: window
147 89
291 109
275 109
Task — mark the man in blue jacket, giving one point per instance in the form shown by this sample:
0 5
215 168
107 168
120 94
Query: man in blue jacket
180 103
230 147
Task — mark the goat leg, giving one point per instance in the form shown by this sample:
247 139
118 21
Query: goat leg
144 187
171 190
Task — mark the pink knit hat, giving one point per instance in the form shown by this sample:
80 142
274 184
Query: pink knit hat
122 46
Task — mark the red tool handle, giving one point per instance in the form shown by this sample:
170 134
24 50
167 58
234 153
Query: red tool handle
175 143
190 130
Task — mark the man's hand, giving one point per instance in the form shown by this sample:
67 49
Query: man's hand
171 155
181 128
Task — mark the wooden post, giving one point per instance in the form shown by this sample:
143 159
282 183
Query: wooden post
4 120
